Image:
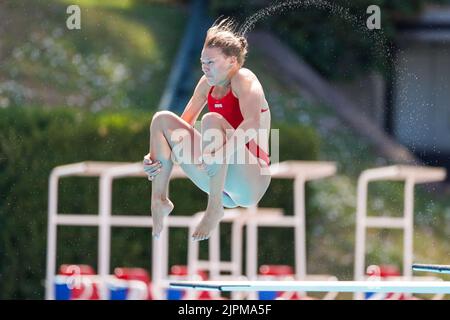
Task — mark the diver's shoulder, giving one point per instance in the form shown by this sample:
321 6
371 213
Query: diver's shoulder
243 76
245 73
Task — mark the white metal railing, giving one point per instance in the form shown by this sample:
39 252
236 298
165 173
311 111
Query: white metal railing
411 175
299 171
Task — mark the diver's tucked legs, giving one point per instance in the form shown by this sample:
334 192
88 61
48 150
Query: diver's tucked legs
214 211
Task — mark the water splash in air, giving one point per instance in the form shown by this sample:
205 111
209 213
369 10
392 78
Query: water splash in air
358 22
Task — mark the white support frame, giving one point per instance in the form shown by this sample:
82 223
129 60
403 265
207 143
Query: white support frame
83 169
254 217
411 175
107 172
301 172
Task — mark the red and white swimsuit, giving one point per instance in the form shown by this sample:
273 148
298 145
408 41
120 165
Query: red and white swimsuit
229 108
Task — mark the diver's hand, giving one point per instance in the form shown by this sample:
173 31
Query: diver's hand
210 164
151 168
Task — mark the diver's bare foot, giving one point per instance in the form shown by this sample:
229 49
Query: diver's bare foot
209 222
160 208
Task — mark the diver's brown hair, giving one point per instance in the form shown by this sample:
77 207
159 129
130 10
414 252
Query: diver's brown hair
223 35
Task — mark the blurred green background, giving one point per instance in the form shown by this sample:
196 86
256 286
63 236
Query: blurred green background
70 96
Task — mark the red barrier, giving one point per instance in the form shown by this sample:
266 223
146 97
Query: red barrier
80 288
139 274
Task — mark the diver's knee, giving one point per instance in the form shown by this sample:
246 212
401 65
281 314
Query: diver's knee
211 117
161 118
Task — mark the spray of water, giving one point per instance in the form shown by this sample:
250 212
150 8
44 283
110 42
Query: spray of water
380 46
410 81
406 82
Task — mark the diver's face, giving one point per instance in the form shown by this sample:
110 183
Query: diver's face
216 66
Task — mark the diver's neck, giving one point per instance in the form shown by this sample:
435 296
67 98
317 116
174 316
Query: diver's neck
225 84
